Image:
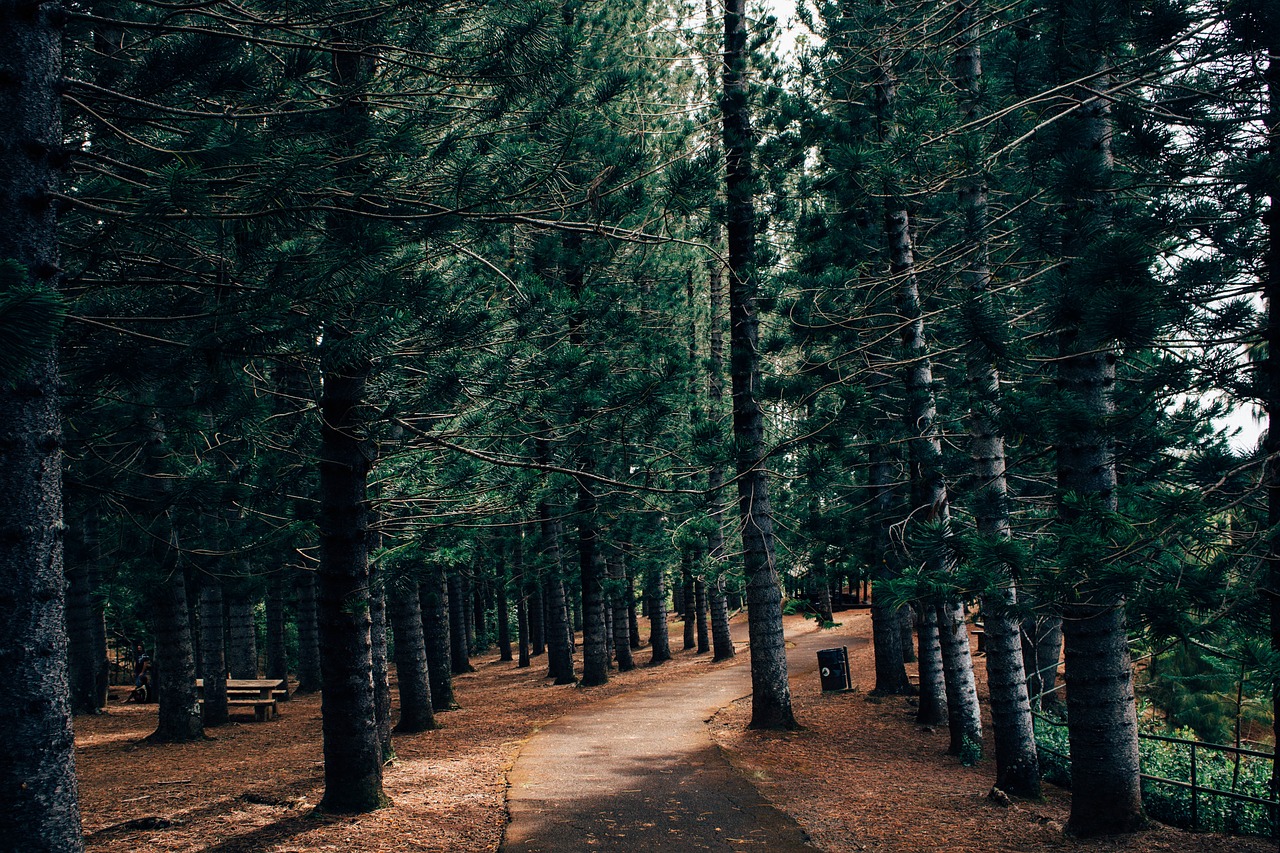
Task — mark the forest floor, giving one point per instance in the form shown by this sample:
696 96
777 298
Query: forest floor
859 776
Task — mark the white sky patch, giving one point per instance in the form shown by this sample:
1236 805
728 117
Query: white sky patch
1250 421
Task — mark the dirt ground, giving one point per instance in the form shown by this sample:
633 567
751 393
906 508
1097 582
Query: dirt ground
863 776
860 776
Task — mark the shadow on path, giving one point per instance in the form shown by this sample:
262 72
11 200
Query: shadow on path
640 772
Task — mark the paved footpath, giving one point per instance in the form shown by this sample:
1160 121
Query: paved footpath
639 772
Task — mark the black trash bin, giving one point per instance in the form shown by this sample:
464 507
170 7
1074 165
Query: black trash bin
833 667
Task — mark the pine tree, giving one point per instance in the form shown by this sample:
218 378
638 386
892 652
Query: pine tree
41 811
771 694
1017 765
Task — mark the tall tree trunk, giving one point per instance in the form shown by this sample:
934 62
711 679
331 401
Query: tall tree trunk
555 618
659 640
886 619
1269 370
459 654
633 615
433 597
243 635
595 653
1101 717
700 608
929 499
466 614
378 658
503 613
930 502
819 585
522 631
173 671
308 632
520 584
688 602
83 654
721 638
1017 763
906 625
477 626
621 621
1102 722
932 709
770 692
175 665
352 750
37 775
413 679
608 625
277 655
963 717
573 601
537 611
213 656
102 680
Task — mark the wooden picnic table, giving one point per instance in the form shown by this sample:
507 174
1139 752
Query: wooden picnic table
257 693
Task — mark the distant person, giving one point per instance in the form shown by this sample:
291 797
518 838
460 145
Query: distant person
142 675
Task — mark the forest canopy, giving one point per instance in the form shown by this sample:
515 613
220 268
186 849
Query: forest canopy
468 322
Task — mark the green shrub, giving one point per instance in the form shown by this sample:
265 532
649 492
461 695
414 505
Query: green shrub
1172 804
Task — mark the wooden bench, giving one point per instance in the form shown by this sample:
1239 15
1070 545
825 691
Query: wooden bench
260 694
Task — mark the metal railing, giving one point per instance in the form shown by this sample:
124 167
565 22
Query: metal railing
1193 785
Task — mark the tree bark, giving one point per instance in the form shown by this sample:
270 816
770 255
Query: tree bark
688 602
473 616
213 656
522 631
963 719
520 585
352 750
1101 716
621 618
37 776
83 654
555 618
929 497
659 640
504 614
102 681
243 635
717 567
770 693
537 610
459 653
886 620
1017 762
633 614
309 680
413 679
277 655
700 609
932 710
175 666
378 658
721 638
595 653
556 621
1269 380
433 597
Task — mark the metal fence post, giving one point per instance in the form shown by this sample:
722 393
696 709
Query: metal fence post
1195 791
